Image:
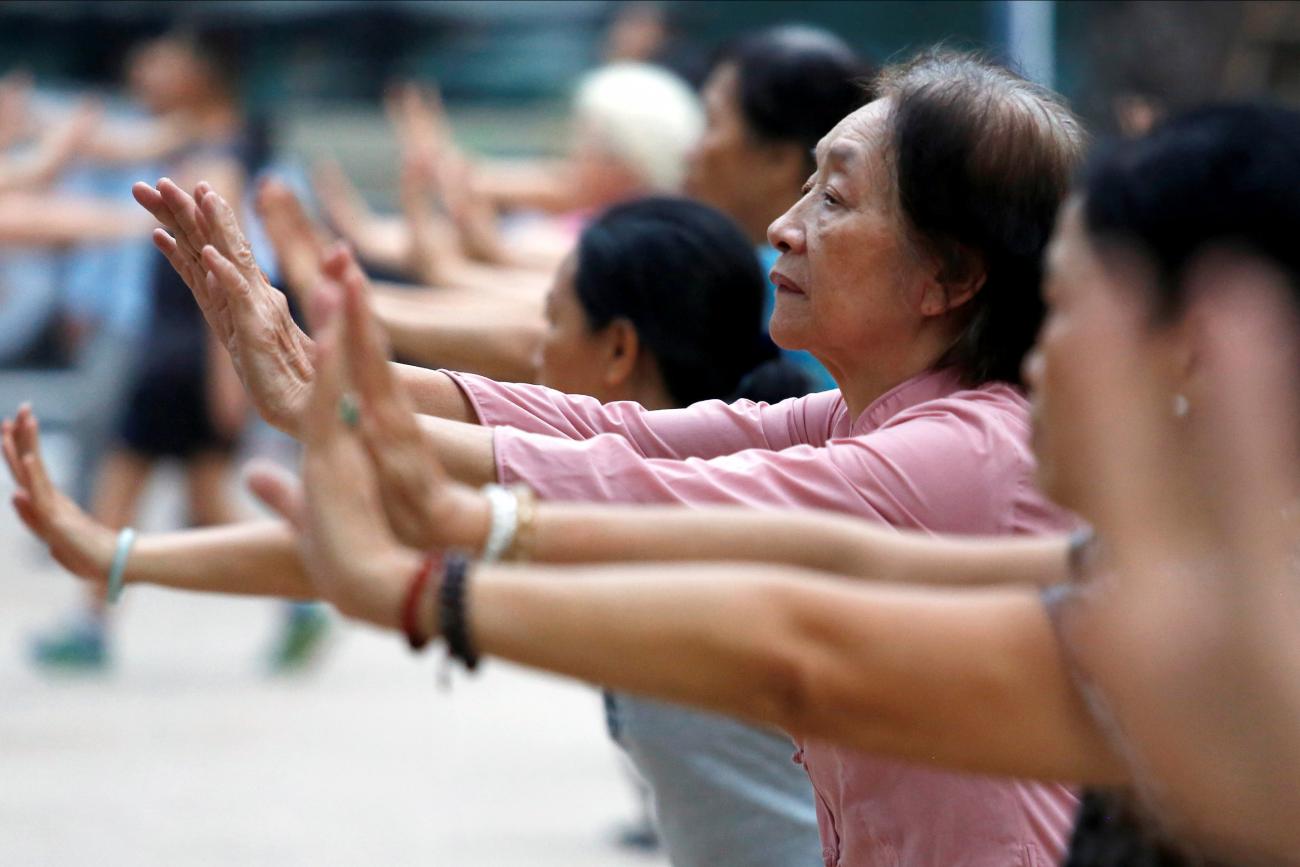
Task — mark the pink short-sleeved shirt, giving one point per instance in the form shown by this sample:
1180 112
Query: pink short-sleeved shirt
928 455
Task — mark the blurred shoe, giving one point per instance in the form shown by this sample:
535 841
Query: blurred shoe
637 836
302 638
80 645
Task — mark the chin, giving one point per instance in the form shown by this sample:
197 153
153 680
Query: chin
787 332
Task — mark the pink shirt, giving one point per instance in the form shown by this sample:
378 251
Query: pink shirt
927 455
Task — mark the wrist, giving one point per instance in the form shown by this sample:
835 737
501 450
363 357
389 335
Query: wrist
466 517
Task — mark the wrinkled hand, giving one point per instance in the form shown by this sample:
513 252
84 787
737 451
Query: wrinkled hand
77 542
352 557
423 506
251 317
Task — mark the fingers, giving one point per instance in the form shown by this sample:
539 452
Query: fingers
223 276
27 439
226 235
279 489
185 265
16 468
366 348
322 420
152 201
184 217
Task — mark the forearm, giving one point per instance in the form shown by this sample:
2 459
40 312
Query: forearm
823 541
502 350
911 674
540 184
464 449
254 559
67 221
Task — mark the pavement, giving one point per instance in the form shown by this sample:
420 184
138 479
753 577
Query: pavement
187 753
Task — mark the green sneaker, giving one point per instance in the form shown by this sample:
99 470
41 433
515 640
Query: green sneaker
302 638
78 647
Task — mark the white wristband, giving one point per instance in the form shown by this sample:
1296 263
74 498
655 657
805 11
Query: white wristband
505 521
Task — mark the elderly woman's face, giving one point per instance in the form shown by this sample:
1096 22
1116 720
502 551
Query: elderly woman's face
848 284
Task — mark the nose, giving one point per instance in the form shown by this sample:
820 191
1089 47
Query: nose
785 233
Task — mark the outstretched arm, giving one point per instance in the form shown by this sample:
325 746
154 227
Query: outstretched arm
967 679
259 558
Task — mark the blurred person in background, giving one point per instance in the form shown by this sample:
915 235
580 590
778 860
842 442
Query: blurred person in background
184 401
771 96
631 127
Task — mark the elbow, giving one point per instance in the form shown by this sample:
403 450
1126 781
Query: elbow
793 683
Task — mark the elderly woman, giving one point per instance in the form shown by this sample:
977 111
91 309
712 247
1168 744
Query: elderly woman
909 268
768 100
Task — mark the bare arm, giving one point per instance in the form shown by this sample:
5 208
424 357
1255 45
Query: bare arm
39 219
481 341
968 679
52 153
142 141
823 541
252 559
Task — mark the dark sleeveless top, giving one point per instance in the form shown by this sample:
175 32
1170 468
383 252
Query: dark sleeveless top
167 411
1111 828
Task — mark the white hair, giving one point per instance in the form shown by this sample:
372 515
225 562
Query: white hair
644 116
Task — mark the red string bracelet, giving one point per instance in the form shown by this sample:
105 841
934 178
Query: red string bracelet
411 602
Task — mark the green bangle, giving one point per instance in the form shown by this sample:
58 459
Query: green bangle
125 540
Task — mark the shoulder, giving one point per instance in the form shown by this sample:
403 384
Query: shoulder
970 450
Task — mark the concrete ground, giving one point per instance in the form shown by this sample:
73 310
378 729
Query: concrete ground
188 754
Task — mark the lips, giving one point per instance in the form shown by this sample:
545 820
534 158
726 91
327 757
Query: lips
784 283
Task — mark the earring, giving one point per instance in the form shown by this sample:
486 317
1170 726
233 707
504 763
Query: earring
1182 406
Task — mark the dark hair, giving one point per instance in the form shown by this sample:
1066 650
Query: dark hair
795 83
982 160
1220 176
688 280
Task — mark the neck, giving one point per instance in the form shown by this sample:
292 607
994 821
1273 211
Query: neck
862 384
653 396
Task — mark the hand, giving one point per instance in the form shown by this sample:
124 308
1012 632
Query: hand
423 506
250 317
299 243
77 542
352 557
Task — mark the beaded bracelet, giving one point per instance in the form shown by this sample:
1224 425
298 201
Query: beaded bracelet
411 601
452 622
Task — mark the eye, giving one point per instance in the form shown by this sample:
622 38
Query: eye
806 188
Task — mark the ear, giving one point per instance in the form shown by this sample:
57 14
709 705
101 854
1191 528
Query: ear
622 351
952 283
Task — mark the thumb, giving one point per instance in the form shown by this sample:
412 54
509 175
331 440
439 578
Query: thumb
279 489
